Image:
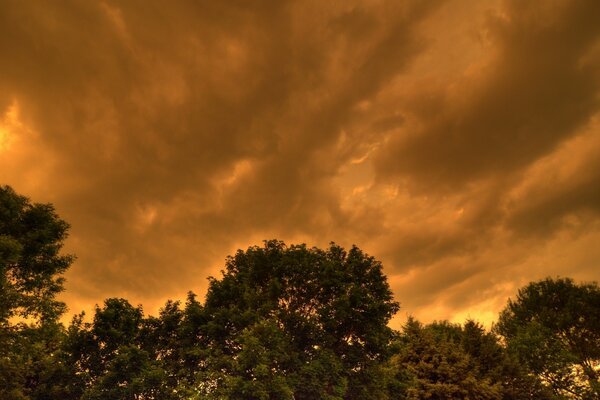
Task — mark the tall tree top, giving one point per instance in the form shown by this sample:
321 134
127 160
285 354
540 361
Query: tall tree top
31 262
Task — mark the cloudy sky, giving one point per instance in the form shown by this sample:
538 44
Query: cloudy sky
456 141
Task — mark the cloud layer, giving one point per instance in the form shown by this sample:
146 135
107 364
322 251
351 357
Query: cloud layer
457 141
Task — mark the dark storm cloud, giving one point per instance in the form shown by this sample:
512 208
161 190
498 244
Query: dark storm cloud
505 155
455 140
565 189
175 131
534 93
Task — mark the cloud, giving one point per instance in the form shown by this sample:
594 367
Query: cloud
178 130
531 95
560 189
456 141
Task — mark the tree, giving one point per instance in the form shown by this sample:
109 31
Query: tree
434 365
553 327
493 362
31 265
255 372
109 357
327 308
449 361
31 237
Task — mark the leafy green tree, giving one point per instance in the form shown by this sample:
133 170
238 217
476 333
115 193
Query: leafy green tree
130 374
284 322
450 361
110 360
330 308
176 339
160 338
493 362
192 347
31 265
437 367
46 374
31 237
323 377
553 327
255 372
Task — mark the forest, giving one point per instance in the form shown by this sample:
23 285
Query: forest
282 322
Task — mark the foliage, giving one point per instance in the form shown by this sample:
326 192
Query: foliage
439 367
31 237
553 327
110 362
283 322
327 308
448 361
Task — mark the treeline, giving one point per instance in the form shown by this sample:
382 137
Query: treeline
283 322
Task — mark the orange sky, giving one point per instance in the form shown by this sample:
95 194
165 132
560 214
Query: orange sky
456 141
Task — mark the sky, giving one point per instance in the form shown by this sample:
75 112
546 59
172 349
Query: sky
458 142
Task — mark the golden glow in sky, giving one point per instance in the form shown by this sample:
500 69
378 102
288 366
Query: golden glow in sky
8 123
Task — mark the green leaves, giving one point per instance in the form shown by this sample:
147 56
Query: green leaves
553 327
329 307
283 322
439 367
447 361
113 357
31 237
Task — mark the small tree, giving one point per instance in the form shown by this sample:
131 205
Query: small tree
109 359
433 364
447 361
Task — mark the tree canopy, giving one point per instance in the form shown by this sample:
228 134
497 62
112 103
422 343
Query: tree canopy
31 237
31 265
281 322
327 310
553 326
